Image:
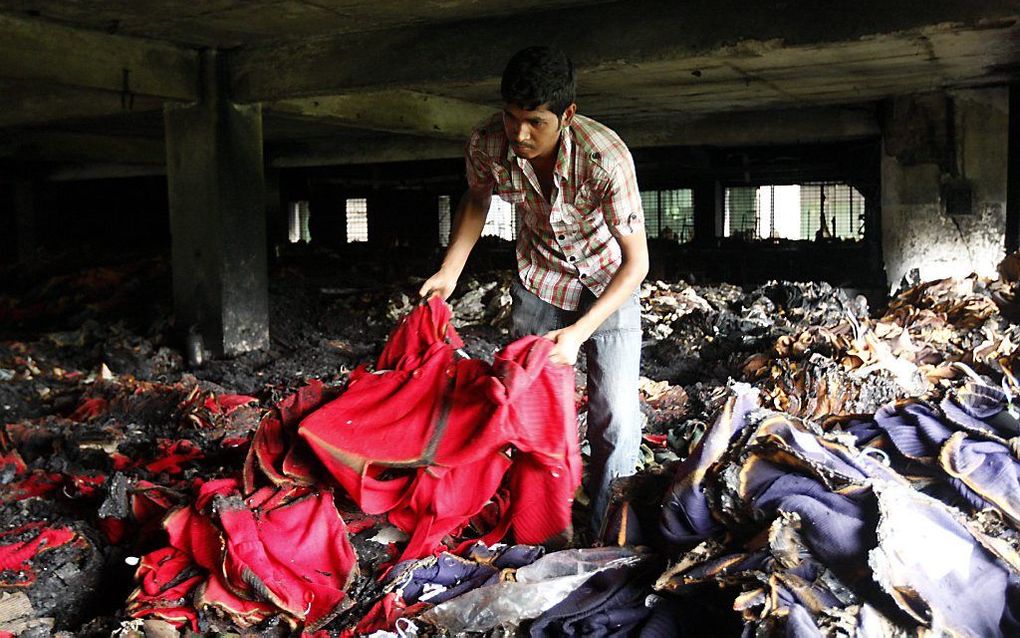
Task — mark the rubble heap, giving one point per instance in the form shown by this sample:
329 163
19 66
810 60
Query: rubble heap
804 460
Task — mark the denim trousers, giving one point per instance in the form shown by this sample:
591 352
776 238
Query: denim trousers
613 353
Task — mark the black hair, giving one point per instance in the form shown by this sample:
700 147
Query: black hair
537 76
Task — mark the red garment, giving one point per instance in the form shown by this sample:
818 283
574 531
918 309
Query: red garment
16 557
430 437
275 451
173 454
30 483
383 615
277 551
149 503
227 403
89 409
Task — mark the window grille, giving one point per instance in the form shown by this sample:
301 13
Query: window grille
357 220
298 230
445 220
794 211
831 210
501 221
669 209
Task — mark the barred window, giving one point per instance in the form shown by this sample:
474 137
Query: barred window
831 210
445 220
357 220
501 221
669 213
794 211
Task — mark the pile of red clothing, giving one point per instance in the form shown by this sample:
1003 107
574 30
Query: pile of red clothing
430 438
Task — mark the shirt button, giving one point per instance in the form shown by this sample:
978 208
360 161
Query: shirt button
583 275
561 237
573 258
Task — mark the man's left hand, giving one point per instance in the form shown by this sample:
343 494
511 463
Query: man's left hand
568 343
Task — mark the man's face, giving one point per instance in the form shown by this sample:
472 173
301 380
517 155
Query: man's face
534 134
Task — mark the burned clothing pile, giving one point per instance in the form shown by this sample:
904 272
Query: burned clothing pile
815 534
811 505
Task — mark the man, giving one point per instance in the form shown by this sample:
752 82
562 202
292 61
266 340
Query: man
581 248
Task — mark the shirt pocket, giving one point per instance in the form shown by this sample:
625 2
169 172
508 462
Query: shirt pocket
588 197
506 189
585 211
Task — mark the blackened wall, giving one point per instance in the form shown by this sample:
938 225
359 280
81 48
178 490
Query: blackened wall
107 217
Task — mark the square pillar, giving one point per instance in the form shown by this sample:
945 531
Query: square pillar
218 216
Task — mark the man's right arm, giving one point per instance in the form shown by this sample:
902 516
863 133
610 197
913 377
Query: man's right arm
467 228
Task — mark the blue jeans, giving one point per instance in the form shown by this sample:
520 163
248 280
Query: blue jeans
614 359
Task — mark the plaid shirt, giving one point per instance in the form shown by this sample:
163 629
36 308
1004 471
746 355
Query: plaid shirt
569 244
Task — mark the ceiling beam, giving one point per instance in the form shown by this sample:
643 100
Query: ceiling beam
77 173
757 128
70 148
44 52
23 107
332 152
746 128
617 36
398 111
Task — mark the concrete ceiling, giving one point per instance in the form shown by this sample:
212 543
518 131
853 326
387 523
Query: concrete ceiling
351 80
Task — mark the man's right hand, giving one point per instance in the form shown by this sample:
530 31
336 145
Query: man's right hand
440 284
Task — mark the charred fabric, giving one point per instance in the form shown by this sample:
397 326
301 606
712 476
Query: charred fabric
810 468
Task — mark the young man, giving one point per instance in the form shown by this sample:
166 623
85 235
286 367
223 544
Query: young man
581 248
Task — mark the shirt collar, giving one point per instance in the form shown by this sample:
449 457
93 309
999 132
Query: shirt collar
566 149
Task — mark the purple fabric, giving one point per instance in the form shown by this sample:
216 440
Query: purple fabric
915 429
981 407
963 446
686 516
456 574
518 556
610 603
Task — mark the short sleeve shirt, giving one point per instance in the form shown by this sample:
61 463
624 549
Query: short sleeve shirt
569 243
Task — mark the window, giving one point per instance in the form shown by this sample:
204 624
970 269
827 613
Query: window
669 212
501 221
831 210
445 220
794 211
297 218
357 220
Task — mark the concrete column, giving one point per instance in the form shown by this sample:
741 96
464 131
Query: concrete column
705 209
24 218
218 216
924 155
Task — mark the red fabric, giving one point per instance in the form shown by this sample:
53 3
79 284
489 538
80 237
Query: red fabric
658 440
173 454
275 551
29 484
149 503
16 557
261 553
89 409
384 614
275 452
10 459
37 483
448 423
85 485
227 403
